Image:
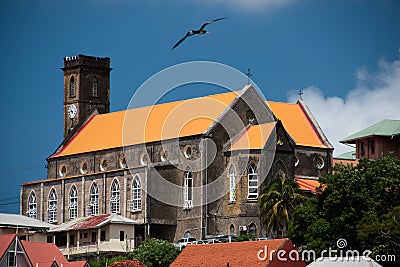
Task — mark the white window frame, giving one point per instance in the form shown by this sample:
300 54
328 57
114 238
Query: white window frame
188 189
232 184
94 199
52 207
252 182
136 194
73 203
32 205
115 197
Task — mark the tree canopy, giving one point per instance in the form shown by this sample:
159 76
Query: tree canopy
360 204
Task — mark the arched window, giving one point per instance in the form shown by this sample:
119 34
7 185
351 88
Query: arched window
95 90
73 203
187 234
94 200
114 201
253 230
232 230
52 207
188 189
72 87
136 194
232 185
32 205
252 186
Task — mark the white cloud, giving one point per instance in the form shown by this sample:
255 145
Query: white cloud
376 97
252 6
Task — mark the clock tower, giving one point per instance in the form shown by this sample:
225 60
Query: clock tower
86 87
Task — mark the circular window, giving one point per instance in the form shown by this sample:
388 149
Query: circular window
164 155
187 152
84 168
319 163
63 171
144 159
122 162
296 161
103 165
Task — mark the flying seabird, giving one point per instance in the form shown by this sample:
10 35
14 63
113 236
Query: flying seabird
202 30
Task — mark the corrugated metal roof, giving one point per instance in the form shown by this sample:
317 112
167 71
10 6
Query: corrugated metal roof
382 128
92 222
21 221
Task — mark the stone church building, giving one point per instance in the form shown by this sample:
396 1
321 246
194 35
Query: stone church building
193 167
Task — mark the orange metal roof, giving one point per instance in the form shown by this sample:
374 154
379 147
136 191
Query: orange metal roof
296 123
308 184
236 254
148 124
254 137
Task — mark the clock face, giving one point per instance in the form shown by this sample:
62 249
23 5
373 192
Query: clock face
72 111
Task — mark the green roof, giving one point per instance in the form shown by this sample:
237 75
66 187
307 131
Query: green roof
383 128
348 155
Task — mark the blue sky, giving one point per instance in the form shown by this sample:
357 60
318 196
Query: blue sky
344 55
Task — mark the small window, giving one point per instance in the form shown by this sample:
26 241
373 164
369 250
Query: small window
11 258
319 163
121 236
72 87
187 152
63 171
49 239
372 144
85 235
232 230
164 155
84 168
103 165
103 236
95 89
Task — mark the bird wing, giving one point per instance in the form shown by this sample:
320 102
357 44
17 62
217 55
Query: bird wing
181 40
205 24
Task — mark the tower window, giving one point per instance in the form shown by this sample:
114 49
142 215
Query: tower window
72 87
95 90
232 183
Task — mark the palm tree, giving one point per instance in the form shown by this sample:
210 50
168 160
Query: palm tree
277 202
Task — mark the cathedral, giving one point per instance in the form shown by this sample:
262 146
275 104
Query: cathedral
193 167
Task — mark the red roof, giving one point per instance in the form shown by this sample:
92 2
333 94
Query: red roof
249 254
5 242
44 254
91 222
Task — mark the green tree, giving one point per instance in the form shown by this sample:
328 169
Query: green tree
277 203
155 253
354 203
